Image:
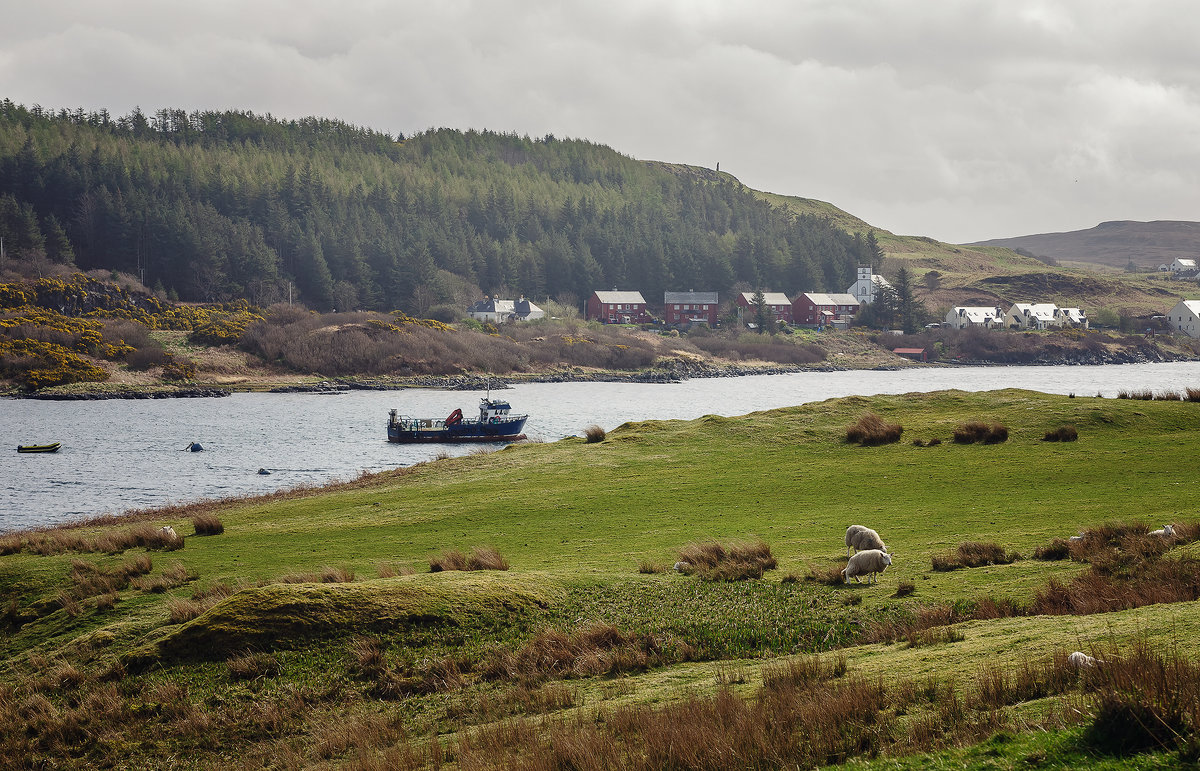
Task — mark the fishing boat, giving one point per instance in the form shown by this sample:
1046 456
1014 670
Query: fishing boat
494 424
52 447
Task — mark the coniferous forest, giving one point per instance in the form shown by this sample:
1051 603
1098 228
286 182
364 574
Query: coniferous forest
215 206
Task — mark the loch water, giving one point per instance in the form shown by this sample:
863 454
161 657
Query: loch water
123 454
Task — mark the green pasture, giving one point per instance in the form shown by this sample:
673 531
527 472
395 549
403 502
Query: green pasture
577 520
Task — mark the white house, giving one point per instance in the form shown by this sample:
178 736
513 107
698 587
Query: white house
868 286
496 310
1070 317
1183 265
1185 317
962 317
1031 316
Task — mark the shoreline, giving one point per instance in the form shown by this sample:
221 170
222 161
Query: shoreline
676 371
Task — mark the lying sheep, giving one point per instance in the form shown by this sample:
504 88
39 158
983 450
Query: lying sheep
167 533
1075 538
1080 660
1167 531
861 538
866 563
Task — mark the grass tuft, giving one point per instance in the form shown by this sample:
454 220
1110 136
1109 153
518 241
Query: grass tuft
1065 433
871 430
594 434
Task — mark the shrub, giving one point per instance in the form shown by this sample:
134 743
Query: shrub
872 430
1192 394
594 434
1065 433
904 589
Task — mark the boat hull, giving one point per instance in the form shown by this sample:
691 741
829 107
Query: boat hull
38 447
466 431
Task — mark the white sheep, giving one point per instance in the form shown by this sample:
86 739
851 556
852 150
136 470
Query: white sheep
866 563
1075 538
861 538
1080 660
167 533
1167 531
682 567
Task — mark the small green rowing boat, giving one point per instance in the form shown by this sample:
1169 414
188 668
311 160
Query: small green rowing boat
39 447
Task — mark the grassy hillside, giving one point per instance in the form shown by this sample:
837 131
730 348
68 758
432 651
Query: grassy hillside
312 605
991 273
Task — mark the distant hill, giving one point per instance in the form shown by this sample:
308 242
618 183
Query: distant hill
1147 244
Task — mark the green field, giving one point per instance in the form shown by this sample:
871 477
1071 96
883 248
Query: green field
589 531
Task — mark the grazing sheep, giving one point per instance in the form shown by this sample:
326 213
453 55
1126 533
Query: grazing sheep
167 533
867 563
1167 531
1080 660
861 538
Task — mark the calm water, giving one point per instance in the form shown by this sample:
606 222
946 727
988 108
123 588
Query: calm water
118 455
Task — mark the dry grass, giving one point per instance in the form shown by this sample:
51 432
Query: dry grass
1066 433
737 562
252 666
481 558
594 650
979 432
207 524
829 576
973 554
391 570
594 434
326 575
871 430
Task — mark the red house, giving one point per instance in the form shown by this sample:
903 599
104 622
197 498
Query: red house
690 308
617 308
778 304
817 310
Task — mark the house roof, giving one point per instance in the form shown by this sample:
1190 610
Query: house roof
772 298
620 297
492 305
978 313
523 307
1191 305
689 298
1184 262
820 298
1037 310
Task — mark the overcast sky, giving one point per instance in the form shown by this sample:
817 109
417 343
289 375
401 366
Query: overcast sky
961 121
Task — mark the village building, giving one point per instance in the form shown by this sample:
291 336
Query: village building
868 286
617 308
1031 316
1183 265
690 308
1185 317
778 305
816 309
965 317
495 310
1070 318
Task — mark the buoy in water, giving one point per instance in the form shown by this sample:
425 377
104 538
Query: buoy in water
263 471
195 447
